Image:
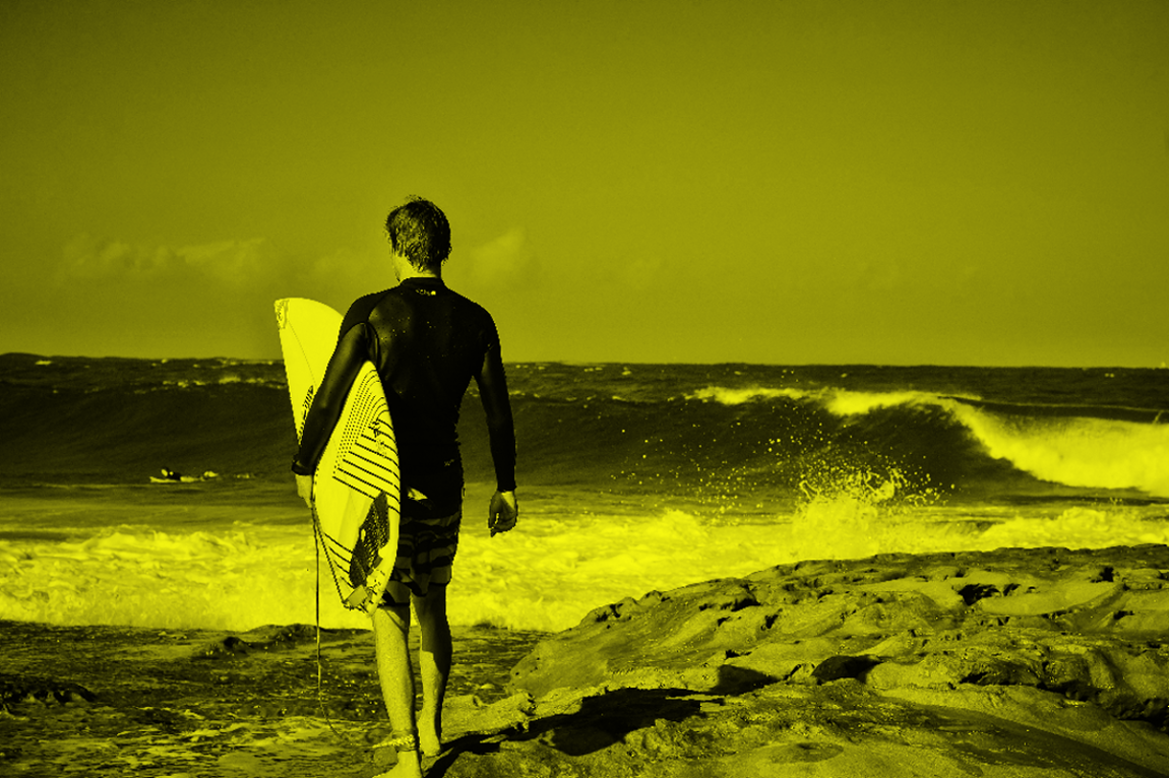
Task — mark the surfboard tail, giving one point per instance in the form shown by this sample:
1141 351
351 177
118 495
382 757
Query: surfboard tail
368 596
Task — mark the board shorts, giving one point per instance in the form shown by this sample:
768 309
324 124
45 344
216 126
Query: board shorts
426 550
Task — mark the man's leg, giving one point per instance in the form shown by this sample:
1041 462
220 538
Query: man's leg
391 626
435 663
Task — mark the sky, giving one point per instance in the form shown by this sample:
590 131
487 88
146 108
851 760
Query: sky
783 182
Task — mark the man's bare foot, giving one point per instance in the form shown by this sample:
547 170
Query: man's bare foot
409 762
409 766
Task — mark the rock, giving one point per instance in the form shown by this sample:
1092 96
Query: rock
469 712
267 638
45 691
1016 650
841 728
1056 599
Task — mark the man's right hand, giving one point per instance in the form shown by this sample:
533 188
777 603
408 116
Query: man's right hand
502 513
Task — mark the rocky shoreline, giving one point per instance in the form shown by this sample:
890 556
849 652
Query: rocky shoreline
111 701
1013 663
1036 662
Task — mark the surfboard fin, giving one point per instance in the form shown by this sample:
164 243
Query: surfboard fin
366 597
360 599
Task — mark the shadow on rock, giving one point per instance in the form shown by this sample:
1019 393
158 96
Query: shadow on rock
578 725
606 719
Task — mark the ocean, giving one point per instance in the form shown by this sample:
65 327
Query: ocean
632 477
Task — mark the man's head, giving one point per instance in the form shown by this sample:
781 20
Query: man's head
419 231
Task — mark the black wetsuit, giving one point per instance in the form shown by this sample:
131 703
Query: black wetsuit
427 343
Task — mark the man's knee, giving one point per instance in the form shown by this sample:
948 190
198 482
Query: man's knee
394 614
432 605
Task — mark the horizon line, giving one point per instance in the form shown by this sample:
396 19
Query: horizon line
592 362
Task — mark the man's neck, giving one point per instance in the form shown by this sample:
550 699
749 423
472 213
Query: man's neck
404 270
419 274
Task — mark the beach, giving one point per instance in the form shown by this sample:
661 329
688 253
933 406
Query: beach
133 701
1040 662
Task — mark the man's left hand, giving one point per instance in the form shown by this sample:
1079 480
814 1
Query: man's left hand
502 512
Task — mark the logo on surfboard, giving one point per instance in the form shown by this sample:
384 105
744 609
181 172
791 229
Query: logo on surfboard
383 438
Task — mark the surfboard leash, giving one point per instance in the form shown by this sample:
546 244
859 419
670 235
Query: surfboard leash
320 690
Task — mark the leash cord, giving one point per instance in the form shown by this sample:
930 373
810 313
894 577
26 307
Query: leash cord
320 692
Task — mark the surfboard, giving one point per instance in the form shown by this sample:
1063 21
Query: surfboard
356 490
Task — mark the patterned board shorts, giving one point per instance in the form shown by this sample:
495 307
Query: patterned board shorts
426 551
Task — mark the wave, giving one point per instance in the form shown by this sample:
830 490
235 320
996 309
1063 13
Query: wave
1076 451
753 434
1075 445
108 435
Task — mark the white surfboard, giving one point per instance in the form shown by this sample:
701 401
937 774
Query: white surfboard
360 462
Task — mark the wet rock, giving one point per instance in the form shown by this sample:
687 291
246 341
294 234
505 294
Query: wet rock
1080 629
16 689
834 668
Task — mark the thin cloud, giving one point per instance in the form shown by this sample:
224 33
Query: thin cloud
235 263
231 263
200 298
503 260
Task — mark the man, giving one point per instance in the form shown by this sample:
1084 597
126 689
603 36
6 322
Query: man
427 343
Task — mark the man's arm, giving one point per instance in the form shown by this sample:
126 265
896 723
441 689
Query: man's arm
492 383
352 350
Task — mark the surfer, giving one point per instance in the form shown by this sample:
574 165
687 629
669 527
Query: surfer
427 343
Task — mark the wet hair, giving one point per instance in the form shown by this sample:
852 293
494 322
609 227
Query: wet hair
419 231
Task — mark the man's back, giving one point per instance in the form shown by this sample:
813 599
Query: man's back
427 342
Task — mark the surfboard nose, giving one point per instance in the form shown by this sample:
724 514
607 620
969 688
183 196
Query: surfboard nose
281 307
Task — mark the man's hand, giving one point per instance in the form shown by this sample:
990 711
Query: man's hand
304 487
502 513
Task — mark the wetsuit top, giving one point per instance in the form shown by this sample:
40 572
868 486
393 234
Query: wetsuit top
427 343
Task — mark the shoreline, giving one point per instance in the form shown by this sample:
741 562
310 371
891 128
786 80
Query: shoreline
1013 662
210 702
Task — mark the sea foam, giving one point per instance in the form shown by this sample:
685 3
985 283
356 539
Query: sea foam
545 575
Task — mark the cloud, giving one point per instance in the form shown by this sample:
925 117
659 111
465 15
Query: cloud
348 263
235 263
196 298
503 260
239 268
229 263
88 259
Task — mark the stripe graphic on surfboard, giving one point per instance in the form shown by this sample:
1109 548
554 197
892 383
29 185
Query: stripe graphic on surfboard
355 487
369 462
